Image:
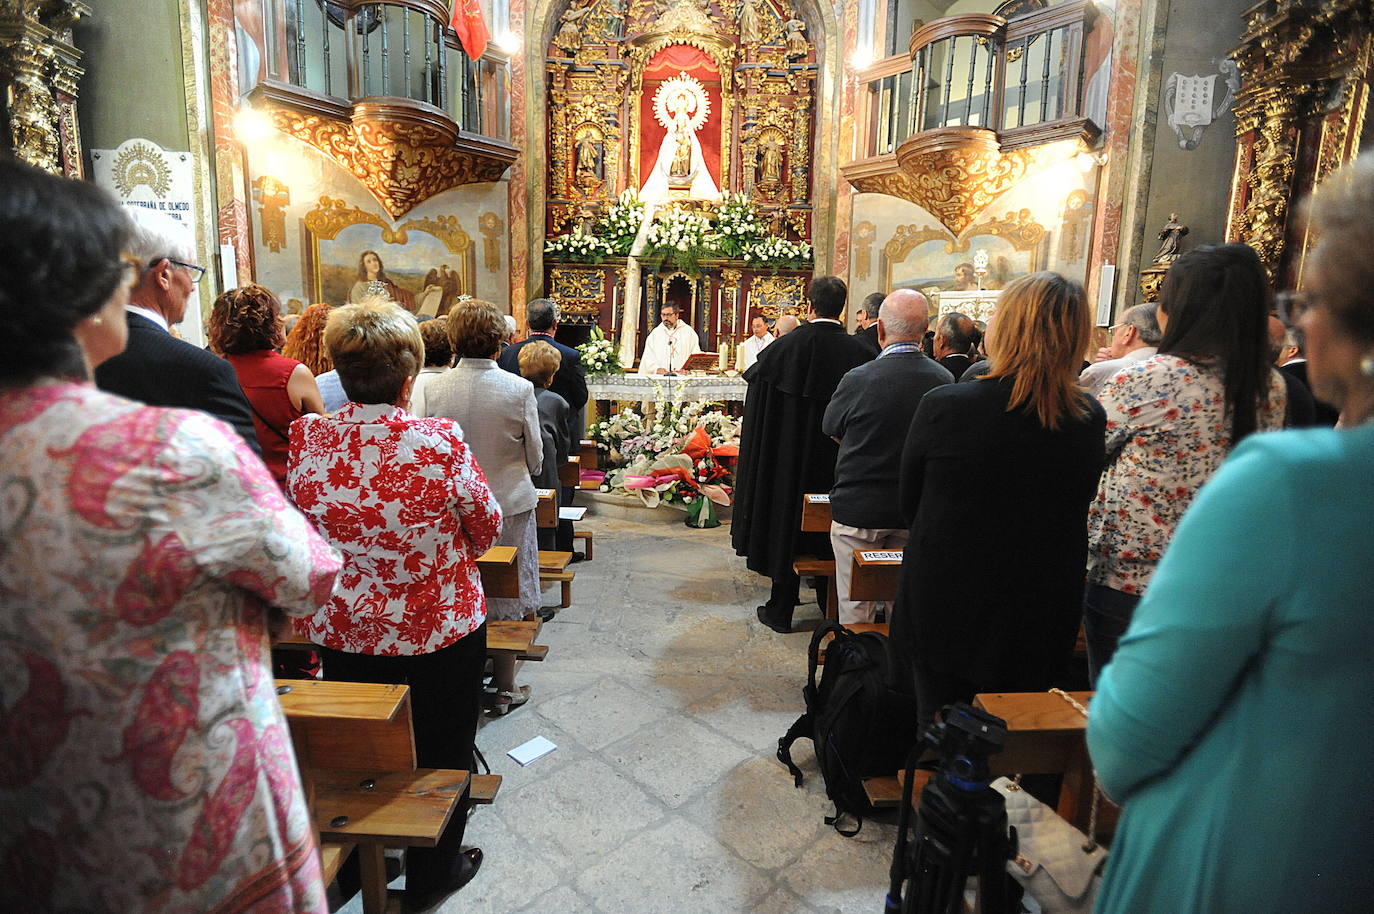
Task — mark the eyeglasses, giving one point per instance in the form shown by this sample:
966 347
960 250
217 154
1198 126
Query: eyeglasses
197 272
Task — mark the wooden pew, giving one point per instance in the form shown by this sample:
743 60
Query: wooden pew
515 637
546 511
500 572
570 473
875 574
588 453
553 566
816 513
816 519
1045 735
377 810
356 748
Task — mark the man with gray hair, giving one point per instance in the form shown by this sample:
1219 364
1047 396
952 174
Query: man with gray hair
870 425
1135 339
157 368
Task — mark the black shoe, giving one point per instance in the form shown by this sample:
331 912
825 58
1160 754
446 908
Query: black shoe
781 629
578 557
546 613
469 862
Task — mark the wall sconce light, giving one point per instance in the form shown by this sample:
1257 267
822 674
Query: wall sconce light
508 41
251 125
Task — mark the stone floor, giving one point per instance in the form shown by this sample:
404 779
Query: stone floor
666 699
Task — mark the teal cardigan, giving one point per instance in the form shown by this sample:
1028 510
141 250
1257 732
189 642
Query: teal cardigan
1236 720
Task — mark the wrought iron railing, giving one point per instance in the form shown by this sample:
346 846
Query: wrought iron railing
357 49
1019 77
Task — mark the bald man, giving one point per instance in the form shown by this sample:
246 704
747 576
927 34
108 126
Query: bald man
785 325
870 425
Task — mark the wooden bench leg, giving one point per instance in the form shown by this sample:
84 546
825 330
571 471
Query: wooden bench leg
565 588
372 862
832 599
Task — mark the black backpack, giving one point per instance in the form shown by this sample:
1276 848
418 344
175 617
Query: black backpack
861 727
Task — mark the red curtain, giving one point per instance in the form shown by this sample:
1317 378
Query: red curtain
667 63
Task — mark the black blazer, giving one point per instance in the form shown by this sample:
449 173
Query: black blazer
158 369
1323 413
992 580
869 336
570 383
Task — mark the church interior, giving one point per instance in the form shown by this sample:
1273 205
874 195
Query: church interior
694 233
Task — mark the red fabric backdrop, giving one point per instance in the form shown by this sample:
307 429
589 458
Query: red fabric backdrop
667 63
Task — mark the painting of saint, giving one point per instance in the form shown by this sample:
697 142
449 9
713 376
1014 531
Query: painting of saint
372 281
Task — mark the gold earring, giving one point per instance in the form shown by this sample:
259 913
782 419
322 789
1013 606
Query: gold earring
1367 366
97 320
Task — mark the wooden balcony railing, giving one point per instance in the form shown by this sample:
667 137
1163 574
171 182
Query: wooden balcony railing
1021 78
387 74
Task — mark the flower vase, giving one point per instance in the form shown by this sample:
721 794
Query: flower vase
701 513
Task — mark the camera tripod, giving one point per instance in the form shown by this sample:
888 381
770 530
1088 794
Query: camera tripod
961 826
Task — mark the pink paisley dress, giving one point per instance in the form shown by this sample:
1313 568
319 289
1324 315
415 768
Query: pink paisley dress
145 764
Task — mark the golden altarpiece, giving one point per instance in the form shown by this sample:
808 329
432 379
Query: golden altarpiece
616 73
1306 66
39 70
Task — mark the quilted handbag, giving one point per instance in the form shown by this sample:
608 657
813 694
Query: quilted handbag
1055 863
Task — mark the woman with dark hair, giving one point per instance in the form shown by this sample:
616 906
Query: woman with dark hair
1000 470
1229 722
145 763
246 328
374 283
1171 420
438 359
406 504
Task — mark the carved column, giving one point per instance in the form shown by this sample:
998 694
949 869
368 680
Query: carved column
39 72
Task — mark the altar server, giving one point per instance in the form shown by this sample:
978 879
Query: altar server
758 341
668 345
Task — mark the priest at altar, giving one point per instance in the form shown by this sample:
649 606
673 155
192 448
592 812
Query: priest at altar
668 345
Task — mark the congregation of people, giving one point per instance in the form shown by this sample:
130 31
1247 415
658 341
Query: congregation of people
1217 567
168 508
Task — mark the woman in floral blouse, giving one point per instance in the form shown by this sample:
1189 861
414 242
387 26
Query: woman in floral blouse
406 504
1171 420
145 764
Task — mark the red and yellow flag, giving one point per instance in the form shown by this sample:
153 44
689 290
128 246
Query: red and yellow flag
471 27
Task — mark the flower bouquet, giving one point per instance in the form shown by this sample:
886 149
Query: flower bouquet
600 355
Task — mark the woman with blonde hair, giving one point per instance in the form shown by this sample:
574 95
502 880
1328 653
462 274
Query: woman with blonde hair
997 475
407 506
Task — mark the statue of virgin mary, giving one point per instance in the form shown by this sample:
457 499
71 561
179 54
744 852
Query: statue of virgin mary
681 106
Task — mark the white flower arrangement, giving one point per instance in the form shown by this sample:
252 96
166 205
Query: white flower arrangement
619 225
737 225
578 246
600 355
778 252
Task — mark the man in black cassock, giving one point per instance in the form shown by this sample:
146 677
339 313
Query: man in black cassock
783 453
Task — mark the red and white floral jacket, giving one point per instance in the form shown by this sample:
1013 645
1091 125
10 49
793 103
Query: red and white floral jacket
404 501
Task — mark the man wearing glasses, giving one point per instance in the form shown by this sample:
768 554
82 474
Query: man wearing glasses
1134 339
157 368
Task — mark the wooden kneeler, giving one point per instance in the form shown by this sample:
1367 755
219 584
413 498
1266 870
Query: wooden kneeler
553 566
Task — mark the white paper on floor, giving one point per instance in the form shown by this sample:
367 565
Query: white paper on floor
573 514
527 752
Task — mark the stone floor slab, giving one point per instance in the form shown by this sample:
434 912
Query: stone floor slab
675 759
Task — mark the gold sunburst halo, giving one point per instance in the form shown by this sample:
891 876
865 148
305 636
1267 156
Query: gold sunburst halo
699 107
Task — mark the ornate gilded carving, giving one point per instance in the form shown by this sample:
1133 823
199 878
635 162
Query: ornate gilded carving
402 155
1306 67
774 296
1151 279
578 292
729 279
491 226
38 73
1019 228
956 172
272 196
865 233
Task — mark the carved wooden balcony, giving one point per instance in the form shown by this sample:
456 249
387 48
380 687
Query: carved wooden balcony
979 103
387 92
